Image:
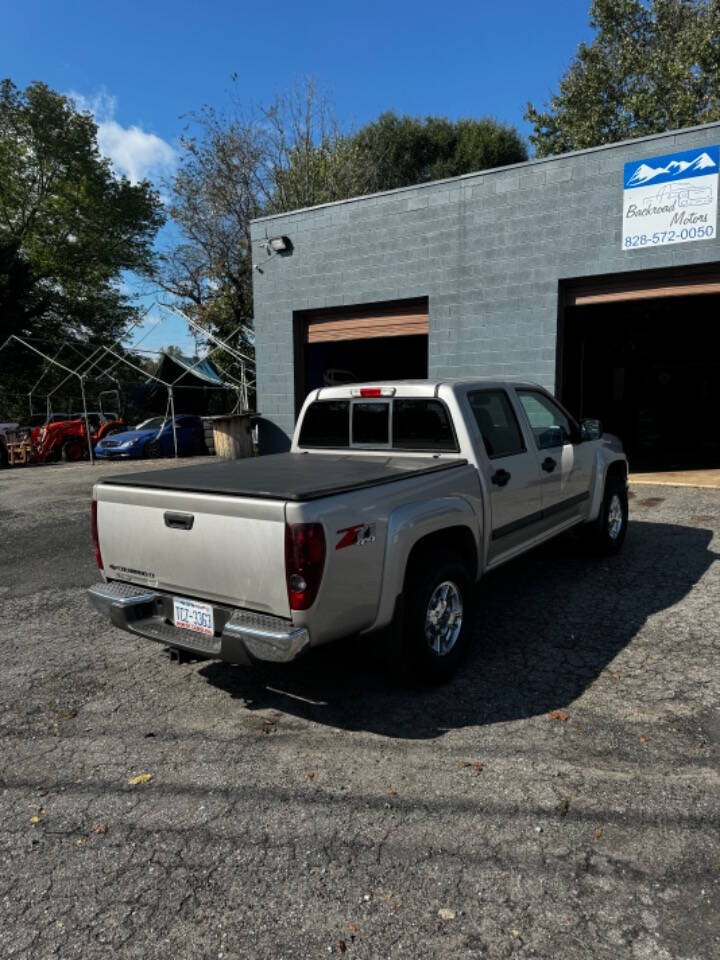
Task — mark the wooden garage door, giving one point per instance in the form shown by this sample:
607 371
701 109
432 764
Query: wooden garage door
398 319
643 287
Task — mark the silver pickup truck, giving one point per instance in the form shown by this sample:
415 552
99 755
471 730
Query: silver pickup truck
394 500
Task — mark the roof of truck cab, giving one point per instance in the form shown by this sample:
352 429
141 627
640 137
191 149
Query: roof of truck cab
427 388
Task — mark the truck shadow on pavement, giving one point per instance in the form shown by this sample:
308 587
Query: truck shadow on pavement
547 625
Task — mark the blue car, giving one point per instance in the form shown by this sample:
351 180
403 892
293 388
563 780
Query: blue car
154 438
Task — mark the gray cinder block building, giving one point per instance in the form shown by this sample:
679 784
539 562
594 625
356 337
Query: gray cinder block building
595 273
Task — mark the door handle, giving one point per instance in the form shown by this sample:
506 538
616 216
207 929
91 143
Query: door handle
500 477
548 464
179 521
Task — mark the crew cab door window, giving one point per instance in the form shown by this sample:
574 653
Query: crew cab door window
497 422
565 467
551 427
512 473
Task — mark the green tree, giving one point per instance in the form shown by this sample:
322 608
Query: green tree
284 156
69 229
653 65
173 351
399 151
234 167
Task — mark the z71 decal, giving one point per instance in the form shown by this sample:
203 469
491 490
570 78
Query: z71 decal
359 535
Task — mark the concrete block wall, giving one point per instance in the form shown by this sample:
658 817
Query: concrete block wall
488 250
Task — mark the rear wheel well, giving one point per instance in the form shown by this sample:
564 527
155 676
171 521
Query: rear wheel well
459 540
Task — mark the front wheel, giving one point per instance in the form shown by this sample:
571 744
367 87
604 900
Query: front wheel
73 450
606 535
152 450
437 616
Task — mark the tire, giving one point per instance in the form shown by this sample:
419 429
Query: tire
4 459
152 450
606 535
437 583
73 451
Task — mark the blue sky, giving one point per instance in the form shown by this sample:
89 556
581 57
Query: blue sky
142 66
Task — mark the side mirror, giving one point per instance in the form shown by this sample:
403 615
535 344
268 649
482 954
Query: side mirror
590 430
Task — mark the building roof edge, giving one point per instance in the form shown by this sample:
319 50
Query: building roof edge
525 164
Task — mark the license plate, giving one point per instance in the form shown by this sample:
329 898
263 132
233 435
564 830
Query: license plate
196 617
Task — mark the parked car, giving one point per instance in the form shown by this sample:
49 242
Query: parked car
154 438
394 500
333 377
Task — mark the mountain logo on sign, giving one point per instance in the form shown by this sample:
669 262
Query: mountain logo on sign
675 168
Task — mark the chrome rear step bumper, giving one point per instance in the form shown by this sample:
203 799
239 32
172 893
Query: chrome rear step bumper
240 635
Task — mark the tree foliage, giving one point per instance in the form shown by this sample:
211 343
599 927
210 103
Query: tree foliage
68 229
288 155
653 65
397 151
235 167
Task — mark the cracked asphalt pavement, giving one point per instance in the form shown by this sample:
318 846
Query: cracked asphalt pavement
560 799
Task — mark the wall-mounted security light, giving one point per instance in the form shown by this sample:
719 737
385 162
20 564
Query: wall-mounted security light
280 244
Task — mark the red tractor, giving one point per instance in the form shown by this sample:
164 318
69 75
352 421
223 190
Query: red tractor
67 439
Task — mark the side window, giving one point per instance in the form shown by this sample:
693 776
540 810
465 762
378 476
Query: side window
550 426
497 422
326 424
370 424
419 424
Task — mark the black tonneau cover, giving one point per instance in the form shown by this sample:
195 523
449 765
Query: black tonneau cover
285 476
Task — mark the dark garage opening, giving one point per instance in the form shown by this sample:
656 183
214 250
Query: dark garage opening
650 370
376 341
377 358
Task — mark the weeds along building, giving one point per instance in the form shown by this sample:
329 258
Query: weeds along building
595 273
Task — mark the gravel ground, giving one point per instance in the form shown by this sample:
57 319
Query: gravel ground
560 799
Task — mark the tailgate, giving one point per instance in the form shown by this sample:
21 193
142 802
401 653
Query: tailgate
227 549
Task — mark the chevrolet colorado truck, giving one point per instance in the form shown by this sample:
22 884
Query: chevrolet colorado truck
394 499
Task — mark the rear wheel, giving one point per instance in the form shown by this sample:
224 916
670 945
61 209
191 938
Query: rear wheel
437 621
606 535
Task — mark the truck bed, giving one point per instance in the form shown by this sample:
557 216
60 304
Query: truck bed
286 476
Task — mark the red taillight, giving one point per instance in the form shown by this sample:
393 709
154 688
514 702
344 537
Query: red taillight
94 533
370 392
304 562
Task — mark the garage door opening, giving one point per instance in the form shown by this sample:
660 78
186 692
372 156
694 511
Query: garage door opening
386 341
649 368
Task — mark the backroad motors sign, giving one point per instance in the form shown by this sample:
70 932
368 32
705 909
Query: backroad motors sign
671 199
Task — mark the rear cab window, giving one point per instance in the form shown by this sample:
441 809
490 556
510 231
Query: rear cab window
370 423
326 424
419 424
403 423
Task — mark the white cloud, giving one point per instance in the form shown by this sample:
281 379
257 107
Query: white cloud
133 151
